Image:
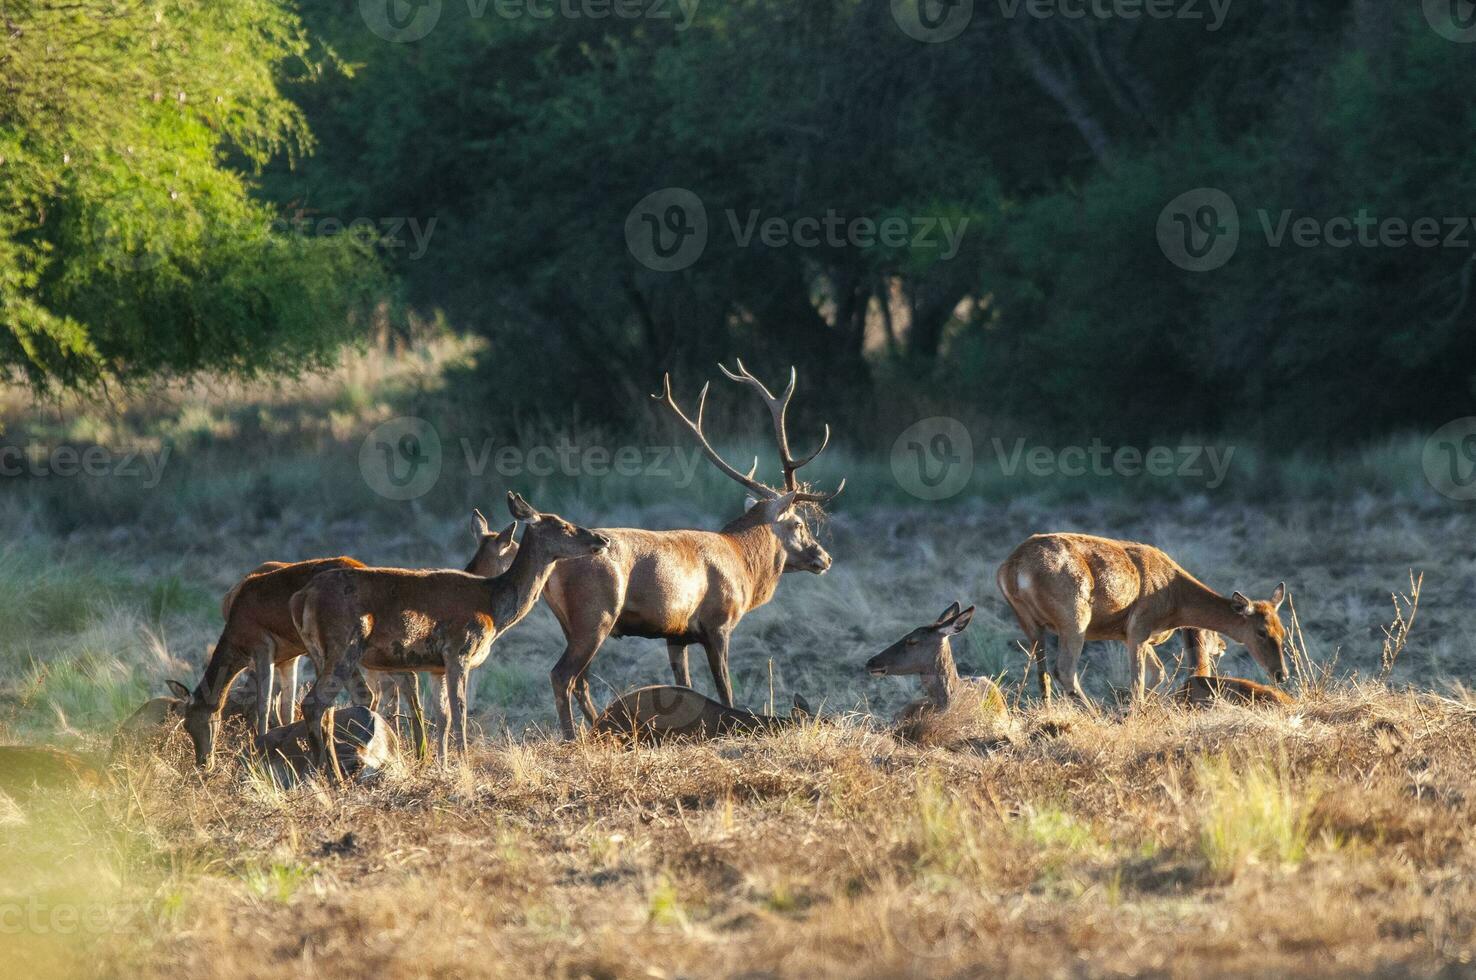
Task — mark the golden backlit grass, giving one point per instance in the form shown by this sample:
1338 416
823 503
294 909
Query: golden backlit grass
1334 839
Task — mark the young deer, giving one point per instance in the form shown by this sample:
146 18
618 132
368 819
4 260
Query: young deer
261 630
432 622
687 586
664 712
927 652
1083 588
1204 687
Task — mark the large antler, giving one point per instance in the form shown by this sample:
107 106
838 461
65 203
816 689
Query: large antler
754 486
778 407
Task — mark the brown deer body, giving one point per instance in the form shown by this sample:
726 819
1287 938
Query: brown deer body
261 630
1204 687
927 652
1083 587
666 712
440 622
686 586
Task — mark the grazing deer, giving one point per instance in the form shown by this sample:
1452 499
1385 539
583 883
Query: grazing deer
927 652
261 630
687 586
1205 687
664 712
433 622
1082 587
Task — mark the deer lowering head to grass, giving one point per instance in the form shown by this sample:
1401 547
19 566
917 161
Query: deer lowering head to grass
440 622
1083 588
927 652
665 712
688 586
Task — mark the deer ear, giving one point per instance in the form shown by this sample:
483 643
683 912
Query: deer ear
801 708
521 510
948 614
479 524
1279 596
958 623
178 689
506 536
1242 604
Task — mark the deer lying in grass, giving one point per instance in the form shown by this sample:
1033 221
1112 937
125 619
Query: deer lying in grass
664 712
927 652
437 622
363 745
1205 687
1083 588
261 630
687 586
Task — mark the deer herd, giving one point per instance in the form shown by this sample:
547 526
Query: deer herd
687 587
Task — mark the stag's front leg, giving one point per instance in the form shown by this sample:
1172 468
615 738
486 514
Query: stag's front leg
287 699
676 652
717 662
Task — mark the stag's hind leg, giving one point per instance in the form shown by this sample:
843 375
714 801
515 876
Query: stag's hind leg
676 652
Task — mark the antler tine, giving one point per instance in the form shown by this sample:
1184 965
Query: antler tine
695 427
778 409
819 498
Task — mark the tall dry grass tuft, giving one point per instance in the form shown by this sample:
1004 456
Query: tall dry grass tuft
1251 813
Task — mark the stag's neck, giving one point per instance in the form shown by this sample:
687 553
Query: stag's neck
762 557
515 592
941 683
1200 606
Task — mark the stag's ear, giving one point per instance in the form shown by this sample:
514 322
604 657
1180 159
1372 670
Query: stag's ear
521 510
958 623
948 614
1279 596
505 536
801 709
1242 604
479 524
178 689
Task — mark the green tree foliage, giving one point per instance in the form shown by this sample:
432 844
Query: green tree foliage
130 243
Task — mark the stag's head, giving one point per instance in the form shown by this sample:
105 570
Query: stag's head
925 648
552 536
495 549
780 509
1262 632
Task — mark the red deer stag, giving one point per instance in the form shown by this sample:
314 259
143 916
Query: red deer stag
1083 588
687 586
440 622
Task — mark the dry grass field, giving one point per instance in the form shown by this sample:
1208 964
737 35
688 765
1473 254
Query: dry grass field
1335 838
